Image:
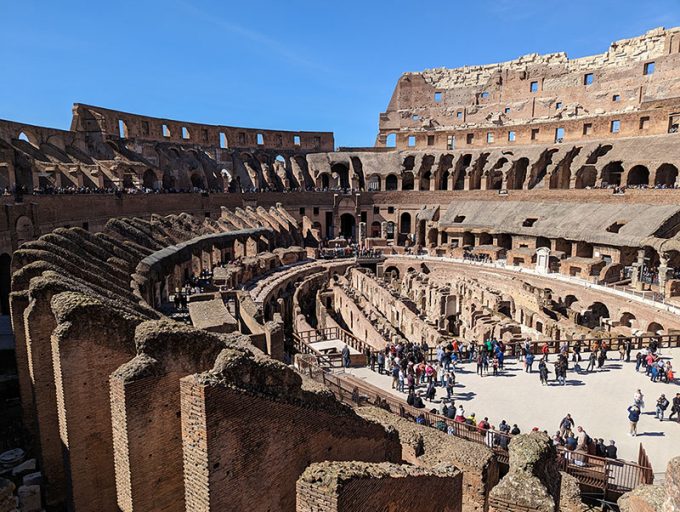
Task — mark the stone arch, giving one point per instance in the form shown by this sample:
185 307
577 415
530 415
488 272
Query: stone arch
517 174
407 181
28 136
347 225
197 181
666 175
654 327
169 180
342 172
149 179
393 271
586 177
638 175
323 181
611 173
592 316
24 229
374 182
375 229
627 319
426 172
391 140
405 223
432 236
409 163
391 182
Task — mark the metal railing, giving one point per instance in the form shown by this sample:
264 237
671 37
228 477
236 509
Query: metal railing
612 476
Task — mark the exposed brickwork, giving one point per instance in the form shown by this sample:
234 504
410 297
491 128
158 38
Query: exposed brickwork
355 487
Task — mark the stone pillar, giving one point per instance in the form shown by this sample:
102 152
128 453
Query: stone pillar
361 234
637 270
664 271
383 229
533 468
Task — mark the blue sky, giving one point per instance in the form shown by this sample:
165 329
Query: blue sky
298 65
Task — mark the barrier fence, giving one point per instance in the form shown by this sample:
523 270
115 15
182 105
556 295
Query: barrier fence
611 476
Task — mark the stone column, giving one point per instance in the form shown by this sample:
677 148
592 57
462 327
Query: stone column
637 270
361 234
664 271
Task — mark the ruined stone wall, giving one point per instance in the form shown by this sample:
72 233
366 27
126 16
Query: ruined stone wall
350 487
542 91
429 448
278 422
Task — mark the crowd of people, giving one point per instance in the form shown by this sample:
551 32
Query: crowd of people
411 366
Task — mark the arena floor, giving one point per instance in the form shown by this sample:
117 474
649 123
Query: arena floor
597 401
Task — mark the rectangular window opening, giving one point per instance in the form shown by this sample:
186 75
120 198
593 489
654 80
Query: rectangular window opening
511 136
166 131
223 141
296 140
470 138
588 79
459 115
260 139
489 137
559 134
615 126
649 68
534 133
430 140
185 133
122 129
644 122
411 141
558 105
587 128
616 97
437 97
533 87
451 142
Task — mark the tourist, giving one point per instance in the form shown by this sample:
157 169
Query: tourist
395 376
545 351
633 417
638 361
570 442
600 448
592 359
345 356
450 382
515 430
577 352
431 392
381 362
529 361
402 379
612 450
676 408
373 361
661 406
566 425
639 399
495 365
543 372
582 438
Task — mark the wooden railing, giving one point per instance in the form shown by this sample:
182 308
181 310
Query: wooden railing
303 339
612 476
514 348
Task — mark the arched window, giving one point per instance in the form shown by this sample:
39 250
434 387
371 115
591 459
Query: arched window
406 223
391 182
391 140
374 183
638 175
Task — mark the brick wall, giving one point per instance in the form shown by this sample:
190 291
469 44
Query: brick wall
358 487
245 451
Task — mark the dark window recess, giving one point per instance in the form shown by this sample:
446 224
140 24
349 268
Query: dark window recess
528 223
316 210
302 211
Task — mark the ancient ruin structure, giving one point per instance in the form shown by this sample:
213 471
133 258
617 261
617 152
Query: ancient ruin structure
181 294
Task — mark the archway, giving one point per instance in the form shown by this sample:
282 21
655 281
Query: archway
149 179
407 181
392 272
666 175
128 180
654 327
375 229
638 175
342 172
374 183
425 180
168 180
391 182
592 317
517 174
586 177
391 140
196 181
405 223
5 282
611 174
627 319
325 181
347 225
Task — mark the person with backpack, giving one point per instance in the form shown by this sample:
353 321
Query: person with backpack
592 359
661 406
633 417
528 362
450 382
